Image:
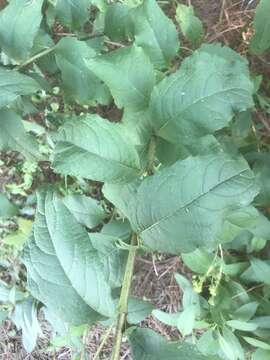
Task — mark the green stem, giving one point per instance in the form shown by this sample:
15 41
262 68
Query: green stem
103 342
123 301
36 57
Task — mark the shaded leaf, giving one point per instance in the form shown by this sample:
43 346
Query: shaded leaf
191 26
17 33
13 135
7 209
148 345
79 83
14 84
261 39
96 149
138 310
86 210
155 33
129 75
72 13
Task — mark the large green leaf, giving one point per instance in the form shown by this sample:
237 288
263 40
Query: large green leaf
79 83
14 84
183 207
128 74
261 39
19 24
64 268
148 345
118 23
96 149
13 135
155 33
73 13
202 97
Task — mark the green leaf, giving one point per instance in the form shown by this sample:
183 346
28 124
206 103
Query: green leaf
120 229
129 75
14 84
7 209
86 210
138 310
193 197
19 238
263 322
79 83
257 343
213 82
198 261
25 318
261 355
261 270
191 26
246 311
261 39
96 149
168 319
186 320
155 33
17 33
242 325
148 345
73 14
230 345
112 258
118 23
63 266
13 135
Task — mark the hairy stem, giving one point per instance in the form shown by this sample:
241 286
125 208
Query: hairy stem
123 302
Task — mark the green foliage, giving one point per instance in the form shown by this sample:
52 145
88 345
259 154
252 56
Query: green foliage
261 39
191 26
131 147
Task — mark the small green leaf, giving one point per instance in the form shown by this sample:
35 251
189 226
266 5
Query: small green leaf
73 14
13 136
19 238
191 26
261 39
79 83
7 209
168 319
148 345
198 261
118 23
241 325
257 343
94 148
246 311
13 84
86 210
138 310
17 33
25 318
186 320
261 355
261 270
155 33
230 345
129 75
